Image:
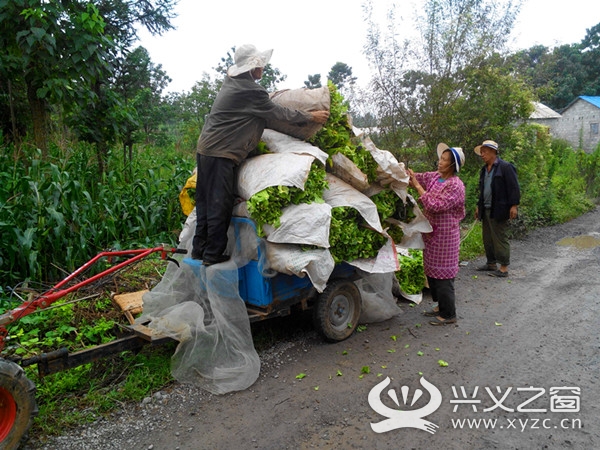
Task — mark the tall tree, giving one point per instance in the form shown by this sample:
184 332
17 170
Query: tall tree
434 89
314 81
106 116
191 108
64 53
561 74
140 84
341 75
590 46
50 47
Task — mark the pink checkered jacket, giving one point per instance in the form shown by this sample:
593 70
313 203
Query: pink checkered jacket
444 206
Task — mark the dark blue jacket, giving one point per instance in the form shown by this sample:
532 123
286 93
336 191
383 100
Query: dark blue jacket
505 190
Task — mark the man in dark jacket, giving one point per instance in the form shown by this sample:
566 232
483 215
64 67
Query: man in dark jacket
232 130
499 196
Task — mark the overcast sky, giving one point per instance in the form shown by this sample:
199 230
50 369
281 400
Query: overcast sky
310 36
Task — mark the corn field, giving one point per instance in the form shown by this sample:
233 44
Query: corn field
58 213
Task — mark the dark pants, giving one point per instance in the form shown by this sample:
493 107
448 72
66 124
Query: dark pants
215 187
495 240
442 292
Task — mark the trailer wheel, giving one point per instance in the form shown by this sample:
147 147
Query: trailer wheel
337 310
17 404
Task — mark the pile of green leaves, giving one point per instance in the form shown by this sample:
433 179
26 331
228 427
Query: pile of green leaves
349 238
411 275
336 136
390 205
265 206
396 233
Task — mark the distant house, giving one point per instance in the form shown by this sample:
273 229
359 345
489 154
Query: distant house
579 123
544 115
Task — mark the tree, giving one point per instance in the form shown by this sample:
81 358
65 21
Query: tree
106 116
51 47
140 84
561 74
537 67
314 81
590 46
65 53
437 91
192 108
341 75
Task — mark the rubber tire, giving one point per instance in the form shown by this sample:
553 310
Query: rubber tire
17 404
337 310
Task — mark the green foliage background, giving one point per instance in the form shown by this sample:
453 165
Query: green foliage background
557 183
57 214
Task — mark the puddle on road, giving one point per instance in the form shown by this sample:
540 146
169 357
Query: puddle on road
580 242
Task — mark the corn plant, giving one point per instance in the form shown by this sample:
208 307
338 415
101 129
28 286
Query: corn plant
57 214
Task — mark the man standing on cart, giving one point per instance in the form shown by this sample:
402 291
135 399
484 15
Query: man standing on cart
232 130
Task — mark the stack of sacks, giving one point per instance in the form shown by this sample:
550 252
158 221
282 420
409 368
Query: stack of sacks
331 218
327 195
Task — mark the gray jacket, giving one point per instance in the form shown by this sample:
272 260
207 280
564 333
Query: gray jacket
238 116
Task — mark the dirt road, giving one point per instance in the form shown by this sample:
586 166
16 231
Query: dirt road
519 344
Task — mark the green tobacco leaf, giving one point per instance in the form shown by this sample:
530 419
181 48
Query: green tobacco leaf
411 275
265 207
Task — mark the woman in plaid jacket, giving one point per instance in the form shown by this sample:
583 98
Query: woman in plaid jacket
442 196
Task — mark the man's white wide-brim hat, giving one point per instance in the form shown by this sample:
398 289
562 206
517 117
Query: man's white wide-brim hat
246 58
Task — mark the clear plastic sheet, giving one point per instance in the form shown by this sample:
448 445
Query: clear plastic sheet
201 308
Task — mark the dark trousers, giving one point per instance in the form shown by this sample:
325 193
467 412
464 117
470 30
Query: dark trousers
215 187
442 292
495 240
